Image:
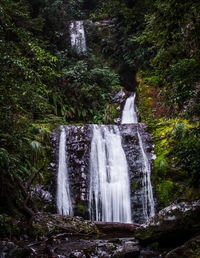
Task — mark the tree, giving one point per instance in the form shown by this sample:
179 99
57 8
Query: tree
26 69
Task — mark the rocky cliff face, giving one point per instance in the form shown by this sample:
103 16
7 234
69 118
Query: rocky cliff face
78 145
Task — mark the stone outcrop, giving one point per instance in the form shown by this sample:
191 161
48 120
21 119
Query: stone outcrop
172 226
190 249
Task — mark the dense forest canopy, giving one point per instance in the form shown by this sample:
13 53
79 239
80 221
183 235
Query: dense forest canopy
44 82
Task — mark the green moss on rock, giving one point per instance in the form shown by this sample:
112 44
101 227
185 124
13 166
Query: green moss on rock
177 147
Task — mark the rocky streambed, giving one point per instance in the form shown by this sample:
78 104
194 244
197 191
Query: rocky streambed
173 232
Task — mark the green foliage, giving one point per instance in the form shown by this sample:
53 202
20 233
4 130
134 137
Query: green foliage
176 167
26 68
177 163
134 184
8 227
173 31
187 152
164 190
82 209
89 90
145 103
125 20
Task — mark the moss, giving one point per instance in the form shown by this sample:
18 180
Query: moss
145 100
164 190
134 184
8 227
176 165
82 209
144 234
155 246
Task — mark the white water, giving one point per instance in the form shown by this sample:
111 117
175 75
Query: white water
129 115
148 204
64 204
77 34
109 198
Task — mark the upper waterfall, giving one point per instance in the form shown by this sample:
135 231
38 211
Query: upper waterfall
129 114
109 197
77 34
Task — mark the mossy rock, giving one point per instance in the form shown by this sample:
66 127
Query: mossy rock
44 224
189 249
81 209
171 226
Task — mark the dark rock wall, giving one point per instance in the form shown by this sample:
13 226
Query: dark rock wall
78 144
78 154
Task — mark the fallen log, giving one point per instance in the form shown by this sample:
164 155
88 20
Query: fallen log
116 227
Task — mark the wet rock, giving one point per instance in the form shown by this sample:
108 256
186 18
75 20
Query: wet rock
127 248
189 249
117 120
45 224
172 226
10 249
148 253
42 197
38 190
99 248
120 97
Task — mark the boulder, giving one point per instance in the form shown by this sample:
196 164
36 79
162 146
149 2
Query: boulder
190 248
172 226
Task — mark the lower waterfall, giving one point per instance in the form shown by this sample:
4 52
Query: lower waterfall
109 196
64 204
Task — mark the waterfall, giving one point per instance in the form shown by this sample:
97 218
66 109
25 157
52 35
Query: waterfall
104 160
147 196
64 204
109 197
77 34
129 115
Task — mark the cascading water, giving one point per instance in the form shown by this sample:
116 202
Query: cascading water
109 197
77 34
64 204
129 115
147 196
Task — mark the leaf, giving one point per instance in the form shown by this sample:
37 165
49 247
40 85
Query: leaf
84 113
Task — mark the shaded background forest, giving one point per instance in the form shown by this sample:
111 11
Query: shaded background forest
148 46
